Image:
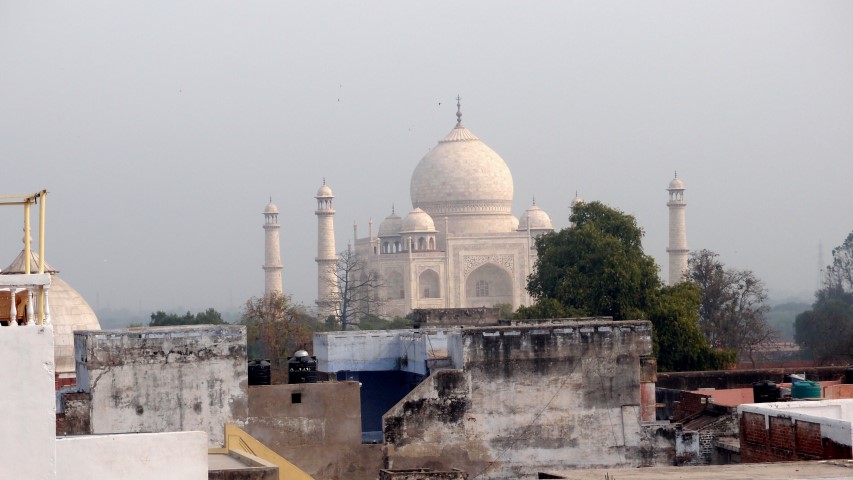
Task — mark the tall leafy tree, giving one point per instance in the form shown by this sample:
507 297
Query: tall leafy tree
826 331
678 341
733 309
597 267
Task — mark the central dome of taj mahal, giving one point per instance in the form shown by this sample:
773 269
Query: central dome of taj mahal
462 176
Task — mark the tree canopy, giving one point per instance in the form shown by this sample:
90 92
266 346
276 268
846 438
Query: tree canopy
826 331
207 317
275 327
597 267
732 310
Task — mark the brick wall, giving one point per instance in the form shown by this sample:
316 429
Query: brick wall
780 439
689 404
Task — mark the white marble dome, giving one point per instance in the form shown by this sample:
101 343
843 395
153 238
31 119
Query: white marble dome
462 175
390 227
676 184
271 208
536 218
418 221
324 191
69 311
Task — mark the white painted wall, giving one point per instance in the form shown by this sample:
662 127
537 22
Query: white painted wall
27 405
379 350
142 456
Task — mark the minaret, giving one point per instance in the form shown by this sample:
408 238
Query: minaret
677 231
272 251
326 254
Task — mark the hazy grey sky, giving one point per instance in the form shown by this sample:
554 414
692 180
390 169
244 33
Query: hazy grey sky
162 128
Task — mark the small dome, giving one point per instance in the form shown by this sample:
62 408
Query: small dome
390 227
300 354
418 221
676 184
537 218
576 201
324 191
271 208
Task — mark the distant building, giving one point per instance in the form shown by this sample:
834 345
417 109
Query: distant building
272 251
677 249
459 246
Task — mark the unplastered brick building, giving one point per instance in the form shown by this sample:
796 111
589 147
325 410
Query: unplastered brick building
787 431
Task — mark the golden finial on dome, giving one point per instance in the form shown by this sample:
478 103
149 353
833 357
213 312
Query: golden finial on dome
458 111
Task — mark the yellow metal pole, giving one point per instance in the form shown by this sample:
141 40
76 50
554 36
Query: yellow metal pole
41 230
27 251
43 197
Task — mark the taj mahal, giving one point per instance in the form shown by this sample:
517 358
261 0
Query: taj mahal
460 246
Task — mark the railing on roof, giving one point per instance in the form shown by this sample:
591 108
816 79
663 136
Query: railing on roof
32 283
33 286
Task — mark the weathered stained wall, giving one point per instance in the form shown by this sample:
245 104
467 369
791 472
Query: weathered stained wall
317 426
785 431
549 396
27 405
164 379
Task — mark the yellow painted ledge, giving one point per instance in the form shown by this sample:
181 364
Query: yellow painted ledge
237 439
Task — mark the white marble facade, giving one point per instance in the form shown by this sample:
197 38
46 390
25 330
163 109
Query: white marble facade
460 246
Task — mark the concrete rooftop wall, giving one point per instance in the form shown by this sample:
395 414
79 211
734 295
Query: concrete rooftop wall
27 405
547 396
164 379
143 456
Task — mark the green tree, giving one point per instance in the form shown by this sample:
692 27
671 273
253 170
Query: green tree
597 267
208 317
826 331
678 341
732 311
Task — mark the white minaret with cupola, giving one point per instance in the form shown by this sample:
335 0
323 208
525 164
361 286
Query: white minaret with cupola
677 249
272 251
326 254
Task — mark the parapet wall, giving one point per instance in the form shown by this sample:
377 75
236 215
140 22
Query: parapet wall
785 431
445 317
164 379
522 397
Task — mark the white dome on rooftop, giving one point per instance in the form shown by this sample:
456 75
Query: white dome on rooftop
536 218
418 221
271 208
390 227
324 191
676 184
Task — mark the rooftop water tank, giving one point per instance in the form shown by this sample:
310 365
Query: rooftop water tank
302 368
805 389
765 392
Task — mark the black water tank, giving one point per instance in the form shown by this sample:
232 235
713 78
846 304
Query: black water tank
302 368
259 372
848 375
765 392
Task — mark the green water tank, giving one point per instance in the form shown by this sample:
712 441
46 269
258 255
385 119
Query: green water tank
805 389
